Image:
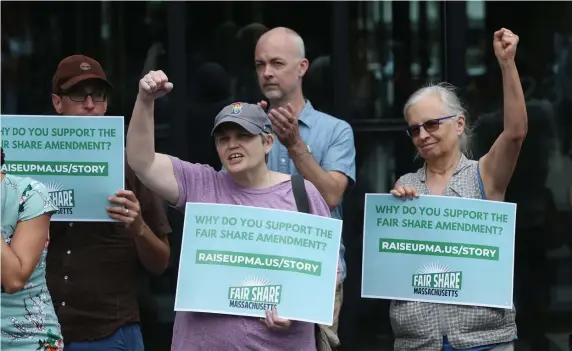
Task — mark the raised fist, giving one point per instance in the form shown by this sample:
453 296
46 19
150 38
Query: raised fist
154 85
505 43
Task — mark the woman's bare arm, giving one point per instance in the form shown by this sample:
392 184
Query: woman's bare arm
498 165
153 169
20 258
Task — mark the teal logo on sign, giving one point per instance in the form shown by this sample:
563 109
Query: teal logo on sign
437 280
63 199
255 293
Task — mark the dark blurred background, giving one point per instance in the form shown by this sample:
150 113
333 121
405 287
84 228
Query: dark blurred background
366 58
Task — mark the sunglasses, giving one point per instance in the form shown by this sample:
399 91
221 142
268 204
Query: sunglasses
81 96
430 126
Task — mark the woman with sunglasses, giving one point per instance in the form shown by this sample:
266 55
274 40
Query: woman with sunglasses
29 321
438 129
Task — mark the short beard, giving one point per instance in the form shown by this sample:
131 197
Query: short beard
274 95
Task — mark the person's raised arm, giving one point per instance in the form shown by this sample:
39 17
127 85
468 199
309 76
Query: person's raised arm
498 165
155 170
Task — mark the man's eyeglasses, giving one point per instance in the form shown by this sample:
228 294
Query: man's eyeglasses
81 96
430 126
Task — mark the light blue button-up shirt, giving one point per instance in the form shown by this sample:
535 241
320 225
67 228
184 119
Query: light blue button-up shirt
331 141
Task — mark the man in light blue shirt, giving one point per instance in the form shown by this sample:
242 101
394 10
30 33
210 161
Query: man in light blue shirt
311 143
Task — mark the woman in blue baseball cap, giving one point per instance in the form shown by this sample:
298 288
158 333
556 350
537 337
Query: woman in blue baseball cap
243 138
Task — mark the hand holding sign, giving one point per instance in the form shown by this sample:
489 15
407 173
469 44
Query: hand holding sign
129 211
404 192
274 322
154 85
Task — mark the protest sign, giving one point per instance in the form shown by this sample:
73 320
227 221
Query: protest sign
242 260
439 249
79 159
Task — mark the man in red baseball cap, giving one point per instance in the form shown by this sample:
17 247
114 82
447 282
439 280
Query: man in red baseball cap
93 268
76 78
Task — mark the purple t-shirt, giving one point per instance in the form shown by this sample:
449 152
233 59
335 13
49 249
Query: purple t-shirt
216 332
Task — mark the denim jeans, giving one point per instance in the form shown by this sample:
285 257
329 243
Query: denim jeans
126 338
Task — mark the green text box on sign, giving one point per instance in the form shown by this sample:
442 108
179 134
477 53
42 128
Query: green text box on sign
80 159
439 249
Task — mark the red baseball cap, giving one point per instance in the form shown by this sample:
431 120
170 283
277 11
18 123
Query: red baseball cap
75 69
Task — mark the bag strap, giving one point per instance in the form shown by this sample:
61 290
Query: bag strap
480 179
326 340
300 194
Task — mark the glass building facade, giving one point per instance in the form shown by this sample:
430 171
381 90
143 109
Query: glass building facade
366 58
